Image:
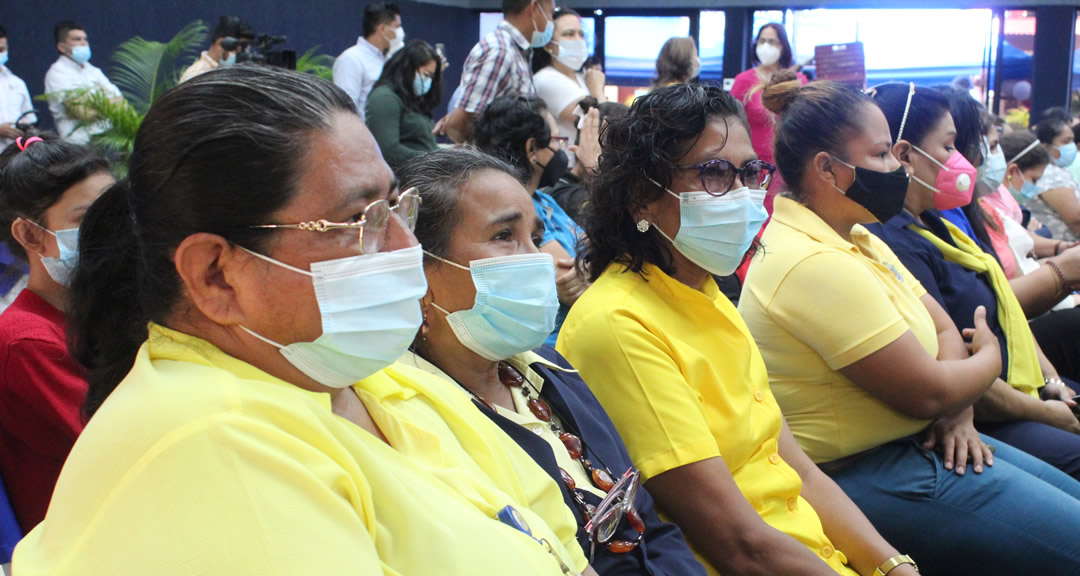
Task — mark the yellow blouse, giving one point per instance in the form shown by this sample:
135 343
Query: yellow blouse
202 464
817 303
680 376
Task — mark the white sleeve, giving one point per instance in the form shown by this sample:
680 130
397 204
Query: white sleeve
349 76
557 91
105 84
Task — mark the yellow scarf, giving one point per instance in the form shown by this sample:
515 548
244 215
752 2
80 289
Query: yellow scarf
1024 372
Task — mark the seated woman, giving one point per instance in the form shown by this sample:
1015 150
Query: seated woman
679 199
242 421
399 107
46 185
872 375
1056 200
523 132
962 277
479 333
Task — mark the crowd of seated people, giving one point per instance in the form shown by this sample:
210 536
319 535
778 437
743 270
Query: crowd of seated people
295 339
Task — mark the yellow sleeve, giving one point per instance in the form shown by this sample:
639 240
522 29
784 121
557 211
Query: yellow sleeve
833 304
221 495
633 372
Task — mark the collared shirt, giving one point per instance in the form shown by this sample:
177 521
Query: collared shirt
65 75
497 66
357 70
204 64
959 290
683 381
521 415
14 100
817 303
199 461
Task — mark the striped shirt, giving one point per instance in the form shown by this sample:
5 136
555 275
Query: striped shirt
497 66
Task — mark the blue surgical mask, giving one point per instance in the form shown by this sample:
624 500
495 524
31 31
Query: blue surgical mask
67 242
230 60
716 231
541 39
80 54
4 57
515 306
1068 155
992 171
370 308
1027 191
421 84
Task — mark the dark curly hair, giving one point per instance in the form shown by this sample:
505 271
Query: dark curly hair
400 71
660 129
506 125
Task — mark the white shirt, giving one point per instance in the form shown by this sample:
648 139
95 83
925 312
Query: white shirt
357 70
64 75
204 64
557 91
14 100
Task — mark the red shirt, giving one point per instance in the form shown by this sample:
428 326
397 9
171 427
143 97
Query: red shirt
41 394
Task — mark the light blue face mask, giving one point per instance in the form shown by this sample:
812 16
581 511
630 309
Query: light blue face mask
80 54
515 306
370 308
230 60
992 171
1068 155
716 231
67 242
421 84
1027 191
541 39
4 57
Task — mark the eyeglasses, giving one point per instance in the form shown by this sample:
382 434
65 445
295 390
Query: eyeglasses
718 176
618 503
560 142
373 226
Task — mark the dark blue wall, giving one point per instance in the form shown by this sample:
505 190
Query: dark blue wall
334 25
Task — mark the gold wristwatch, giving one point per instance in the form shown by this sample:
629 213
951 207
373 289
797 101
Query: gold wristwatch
893 562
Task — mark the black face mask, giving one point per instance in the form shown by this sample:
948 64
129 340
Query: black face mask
881 193
554 169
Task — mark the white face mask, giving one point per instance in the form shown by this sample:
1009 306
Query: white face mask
370 307
767 54
397 42
573 53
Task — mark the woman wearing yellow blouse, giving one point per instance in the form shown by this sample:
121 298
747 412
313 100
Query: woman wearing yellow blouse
679 197
251 429
872 374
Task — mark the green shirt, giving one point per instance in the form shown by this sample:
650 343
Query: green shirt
402 133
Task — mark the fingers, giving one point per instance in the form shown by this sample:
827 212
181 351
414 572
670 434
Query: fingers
988 454
950 453
930 439
975 448
980 318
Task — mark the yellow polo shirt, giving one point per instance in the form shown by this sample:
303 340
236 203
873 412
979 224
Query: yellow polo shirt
817 303
680 376
199 463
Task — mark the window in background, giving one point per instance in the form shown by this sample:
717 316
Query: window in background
711 45
632 44
1014 102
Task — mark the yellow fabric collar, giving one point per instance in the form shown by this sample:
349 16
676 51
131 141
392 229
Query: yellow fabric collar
1024 372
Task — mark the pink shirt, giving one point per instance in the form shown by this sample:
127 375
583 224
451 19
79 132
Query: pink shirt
1001 199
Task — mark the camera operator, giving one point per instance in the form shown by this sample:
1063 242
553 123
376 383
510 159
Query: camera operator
217 55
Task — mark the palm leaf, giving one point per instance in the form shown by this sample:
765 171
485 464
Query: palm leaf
321 65
145 69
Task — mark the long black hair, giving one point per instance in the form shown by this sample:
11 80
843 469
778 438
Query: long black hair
650 141
217 154
504 129
400 71
971 125
34 179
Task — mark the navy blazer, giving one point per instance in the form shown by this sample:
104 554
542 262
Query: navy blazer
663 551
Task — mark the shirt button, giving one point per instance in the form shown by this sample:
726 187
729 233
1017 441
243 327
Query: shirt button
827 551
759 395
774 458
791 502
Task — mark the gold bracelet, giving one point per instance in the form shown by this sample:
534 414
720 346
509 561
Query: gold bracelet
893 563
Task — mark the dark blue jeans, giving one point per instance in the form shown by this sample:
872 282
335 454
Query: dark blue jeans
1054 446
1019 517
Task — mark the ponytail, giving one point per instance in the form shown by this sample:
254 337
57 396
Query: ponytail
106 322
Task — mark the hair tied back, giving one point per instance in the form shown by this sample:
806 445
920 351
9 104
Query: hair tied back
781 91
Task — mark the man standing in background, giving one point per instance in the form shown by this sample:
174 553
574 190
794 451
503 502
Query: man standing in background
70 80
358 67
14 97
227 27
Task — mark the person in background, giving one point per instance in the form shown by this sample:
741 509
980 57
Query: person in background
1056 200
399 108
46 186
70 80
561 79
678 200
227 27
771 52
480 232
14 96
239 358
873 377
570 192
498 65
677 63
359 67
523 133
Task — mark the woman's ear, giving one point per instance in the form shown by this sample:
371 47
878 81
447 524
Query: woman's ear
822 165
902 152
530 150
207 265
30 237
